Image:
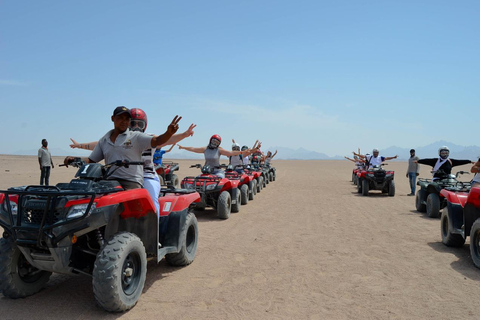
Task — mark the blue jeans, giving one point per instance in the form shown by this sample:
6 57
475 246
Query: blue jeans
45 176
412 178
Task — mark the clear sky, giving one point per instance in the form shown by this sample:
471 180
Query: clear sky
327 76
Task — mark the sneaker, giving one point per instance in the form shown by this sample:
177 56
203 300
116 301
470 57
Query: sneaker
411 194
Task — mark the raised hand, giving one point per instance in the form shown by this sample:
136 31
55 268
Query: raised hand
75 144
173 126
190 130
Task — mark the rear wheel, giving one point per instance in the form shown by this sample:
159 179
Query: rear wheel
448 238
391 188
18 278
365 187
475 243
421 207
359 185
224 205
189 242
236 200
175 181
244 194
260 184
265 181
119 272
433 205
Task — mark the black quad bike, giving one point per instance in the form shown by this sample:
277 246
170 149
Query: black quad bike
92 226
377 178
429 199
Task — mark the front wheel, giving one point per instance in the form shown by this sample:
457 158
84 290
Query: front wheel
18 278
359 185
391 188
433 205
189 241
448 238
224 205
252 188
260 184
119 272
475 243
365 187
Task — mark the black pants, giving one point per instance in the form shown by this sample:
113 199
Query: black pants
45 176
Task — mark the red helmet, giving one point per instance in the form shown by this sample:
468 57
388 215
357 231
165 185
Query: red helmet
214 144
139 119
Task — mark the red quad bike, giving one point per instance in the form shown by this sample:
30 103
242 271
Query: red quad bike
247 183
257 178
92 226
429 198
166 174
376 178
223 194
461 218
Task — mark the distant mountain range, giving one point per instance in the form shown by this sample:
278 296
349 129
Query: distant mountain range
429 151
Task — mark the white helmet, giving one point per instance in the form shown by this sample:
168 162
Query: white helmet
446 152
235 146
375 150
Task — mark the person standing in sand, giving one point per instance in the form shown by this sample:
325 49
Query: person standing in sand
412 171
45 162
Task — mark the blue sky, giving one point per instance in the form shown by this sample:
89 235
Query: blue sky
327 76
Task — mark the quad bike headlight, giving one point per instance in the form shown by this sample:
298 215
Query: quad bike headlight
188 186
79 210
14 207
211 187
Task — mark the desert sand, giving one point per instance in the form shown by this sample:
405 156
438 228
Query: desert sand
307 247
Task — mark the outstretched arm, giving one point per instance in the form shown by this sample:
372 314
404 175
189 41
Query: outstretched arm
171 129
390 158
85 146
192 149
173 145
273 155
349 159
180 136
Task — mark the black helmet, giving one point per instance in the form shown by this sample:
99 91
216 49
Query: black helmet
244 148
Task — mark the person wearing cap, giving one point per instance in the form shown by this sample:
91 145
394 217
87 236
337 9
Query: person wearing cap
412 171
121 143
375 159
45 161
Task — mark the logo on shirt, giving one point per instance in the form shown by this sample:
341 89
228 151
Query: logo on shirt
127 144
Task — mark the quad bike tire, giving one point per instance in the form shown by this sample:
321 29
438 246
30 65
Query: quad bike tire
252 188
449 239
267 177
237 196
274 176
18 278
175 181
418 201
433 205
119 272
244 191
391 188
365 187
475 243
224 205
260 184
359 185
271 176
265 182
189 243
162 182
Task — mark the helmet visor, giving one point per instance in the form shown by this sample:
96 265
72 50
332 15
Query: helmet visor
444 153
214 143
140 124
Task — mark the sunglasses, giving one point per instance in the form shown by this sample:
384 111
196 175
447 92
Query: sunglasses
236 148
138 123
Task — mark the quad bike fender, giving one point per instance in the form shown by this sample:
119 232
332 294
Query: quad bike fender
455 197
136 203
171 202
471 213
474 197
455 212
230 184
170 228
433 188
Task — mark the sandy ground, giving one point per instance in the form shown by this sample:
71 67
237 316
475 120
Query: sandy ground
307 247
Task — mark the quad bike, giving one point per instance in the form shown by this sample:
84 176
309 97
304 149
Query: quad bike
247 182
461 218
355 172
92 226
223 194
429 199
257 177
271 173
166 173
376 178
263 172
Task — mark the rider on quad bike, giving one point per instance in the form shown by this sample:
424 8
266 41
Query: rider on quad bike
429 198
139 122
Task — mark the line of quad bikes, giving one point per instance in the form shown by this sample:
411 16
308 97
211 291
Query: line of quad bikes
455 202
92 226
